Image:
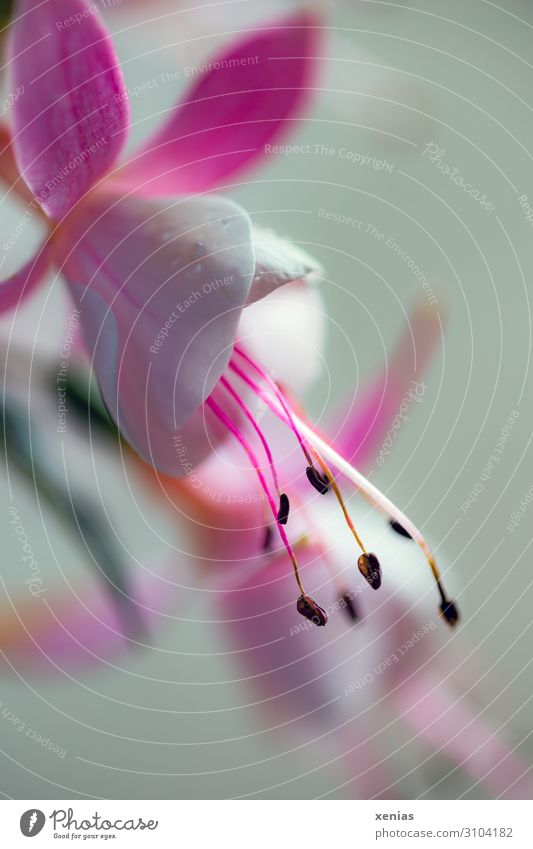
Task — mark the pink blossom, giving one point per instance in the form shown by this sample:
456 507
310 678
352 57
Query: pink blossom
137 240
168 279
163 285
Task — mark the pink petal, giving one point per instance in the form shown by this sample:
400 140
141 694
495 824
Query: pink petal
71 121
444 719
161 286
299 669
360 431
20 285
285 333
232 112
299 673
421 696
222 503
84 629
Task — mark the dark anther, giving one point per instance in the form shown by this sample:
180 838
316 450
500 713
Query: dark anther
268 538
370 569
317 479
308 607
349 606
449 612
399 529
284 507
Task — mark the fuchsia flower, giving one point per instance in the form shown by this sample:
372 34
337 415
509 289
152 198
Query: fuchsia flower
172 291
110 229
162 284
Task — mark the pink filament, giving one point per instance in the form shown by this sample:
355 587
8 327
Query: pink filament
253 460
259 391
277 392
229 388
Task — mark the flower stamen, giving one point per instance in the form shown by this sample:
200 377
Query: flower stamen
284 504
333 483
273 386
399 529
308 607
350 607
369 567
320 447
321 481
447 608
315 478
305 603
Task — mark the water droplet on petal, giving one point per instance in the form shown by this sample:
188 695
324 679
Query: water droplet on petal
198 250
